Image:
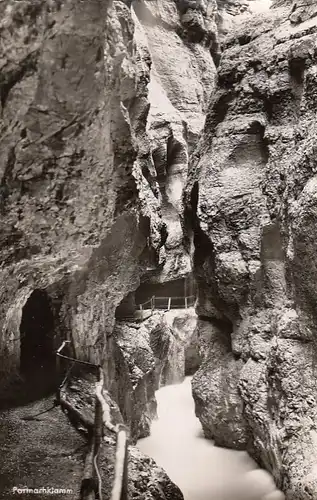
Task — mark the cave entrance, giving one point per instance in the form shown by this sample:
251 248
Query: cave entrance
37 361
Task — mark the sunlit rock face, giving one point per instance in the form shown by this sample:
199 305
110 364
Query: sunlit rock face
181 37
301 10
230 12
250 207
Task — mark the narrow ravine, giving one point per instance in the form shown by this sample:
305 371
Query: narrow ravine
201 470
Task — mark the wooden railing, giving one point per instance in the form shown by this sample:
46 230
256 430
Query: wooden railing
166 303
91 487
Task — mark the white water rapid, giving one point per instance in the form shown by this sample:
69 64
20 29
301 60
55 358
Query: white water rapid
201 470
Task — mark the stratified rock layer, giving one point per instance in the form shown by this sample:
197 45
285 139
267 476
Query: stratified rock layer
251 208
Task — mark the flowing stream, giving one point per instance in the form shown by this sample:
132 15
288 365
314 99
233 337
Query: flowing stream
201 470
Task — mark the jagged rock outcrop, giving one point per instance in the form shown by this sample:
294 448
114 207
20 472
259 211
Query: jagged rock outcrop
251 204
181 81
149 355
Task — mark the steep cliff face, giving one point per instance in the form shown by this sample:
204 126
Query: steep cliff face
182 40
251 203
76 203
82 196
95 133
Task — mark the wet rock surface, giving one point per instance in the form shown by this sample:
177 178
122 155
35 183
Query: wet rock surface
250 200
153 354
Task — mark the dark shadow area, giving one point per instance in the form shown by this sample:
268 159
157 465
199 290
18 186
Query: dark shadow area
37 353
37 332
222 332
126 308
177 289
193 359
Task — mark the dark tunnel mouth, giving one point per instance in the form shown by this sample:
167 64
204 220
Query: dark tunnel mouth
37 356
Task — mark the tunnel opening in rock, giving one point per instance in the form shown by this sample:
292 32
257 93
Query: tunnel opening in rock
37 356
177 290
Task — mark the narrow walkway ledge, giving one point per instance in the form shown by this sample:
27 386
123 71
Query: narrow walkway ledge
40 452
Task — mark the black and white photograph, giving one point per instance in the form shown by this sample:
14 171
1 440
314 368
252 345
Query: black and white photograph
158 249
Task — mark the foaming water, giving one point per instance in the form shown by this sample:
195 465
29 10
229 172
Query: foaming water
201 470
258 6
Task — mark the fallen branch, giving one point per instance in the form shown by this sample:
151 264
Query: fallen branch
34 417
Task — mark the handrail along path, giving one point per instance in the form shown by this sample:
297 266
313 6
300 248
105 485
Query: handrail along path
92 481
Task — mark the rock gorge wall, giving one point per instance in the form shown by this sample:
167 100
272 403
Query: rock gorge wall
75 204
95 136
182 40
251 213
96 130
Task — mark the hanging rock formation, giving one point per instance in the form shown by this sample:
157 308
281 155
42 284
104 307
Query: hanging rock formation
251 213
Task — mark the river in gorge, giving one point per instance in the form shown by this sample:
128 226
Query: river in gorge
201 470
